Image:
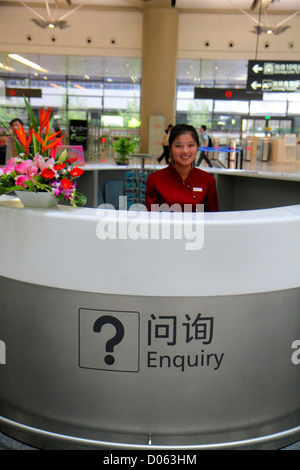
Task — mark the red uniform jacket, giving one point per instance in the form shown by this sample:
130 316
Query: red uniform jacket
167 187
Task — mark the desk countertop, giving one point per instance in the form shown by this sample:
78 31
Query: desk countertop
291 173
141 253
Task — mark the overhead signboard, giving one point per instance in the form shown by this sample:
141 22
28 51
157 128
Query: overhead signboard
273 76
19 92
229 94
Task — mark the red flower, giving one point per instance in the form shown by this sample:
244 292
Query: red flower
66 183
76 171
59 166
71 160
48 173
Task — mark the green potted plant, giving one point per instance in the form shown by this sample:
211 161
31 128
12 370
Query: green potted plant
123 147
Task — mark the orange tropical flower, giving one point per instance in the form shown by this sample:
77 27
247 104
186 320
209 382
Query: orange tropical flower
44 119
24 140
46 143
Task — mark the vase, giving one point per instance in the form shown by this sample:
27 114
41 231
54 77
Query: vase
40 199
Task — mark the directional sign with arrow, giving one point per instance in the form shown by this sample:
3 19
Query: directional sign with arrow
257 68
273 76
255 85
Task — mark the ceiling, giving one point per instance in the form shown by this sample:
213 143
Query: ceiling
62 65
278 6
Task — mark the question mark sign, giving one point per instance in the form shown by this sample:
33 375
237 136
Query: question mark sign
107 319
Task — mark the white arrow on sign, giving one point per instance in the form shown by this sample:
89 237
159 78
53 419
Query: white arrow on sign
257 68
255 85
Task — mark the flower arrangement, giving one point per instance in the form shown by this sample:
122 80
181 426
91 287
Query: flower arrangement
33 169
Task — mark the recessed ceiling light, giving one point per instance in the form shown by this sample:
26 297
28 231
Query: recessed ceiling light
27 62
6 67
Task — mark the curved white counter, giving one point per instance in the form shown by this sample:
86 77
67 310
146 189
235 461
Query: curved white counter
115 252
203 310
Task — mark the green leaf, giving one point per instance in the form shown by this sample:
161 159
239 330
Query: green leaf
36 144
51 122
29 185
3 190
81 199
18 188
6 127
43 187
31 116
9 189
19 147
63 156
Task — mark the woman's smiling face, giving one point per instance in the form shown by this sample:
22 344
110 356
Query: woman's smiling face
184 149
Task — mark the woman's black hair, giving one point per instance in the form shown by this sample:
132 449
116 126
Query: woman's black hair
16 120
183 129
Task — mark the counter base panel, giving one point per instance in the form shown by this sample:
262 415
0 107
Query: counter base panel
206 372
42 439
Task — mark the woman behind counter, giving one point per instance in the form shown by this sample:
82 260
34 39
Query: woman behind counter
181 182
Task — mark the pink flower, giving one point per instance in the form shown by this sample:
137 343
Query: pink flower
27 167
41 163
56 189
32 170
11 162
21 168
20 180
8 169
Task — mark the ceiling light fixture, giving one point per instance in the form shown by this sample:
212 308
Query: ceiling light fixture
265 3
268 29
51 22
27 62
6 67
54 85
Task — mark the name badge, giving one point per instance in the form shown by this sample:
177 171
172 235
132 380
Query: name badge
197 189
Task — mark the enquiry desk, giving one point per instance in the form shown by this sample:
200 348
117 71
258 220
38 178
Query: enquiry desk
131 330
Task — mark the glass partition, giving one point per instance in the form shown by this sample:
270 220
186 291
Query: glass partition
85 88
106 91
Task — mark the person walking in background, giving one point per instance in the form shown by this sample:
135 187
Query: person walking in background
165 144
204 142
